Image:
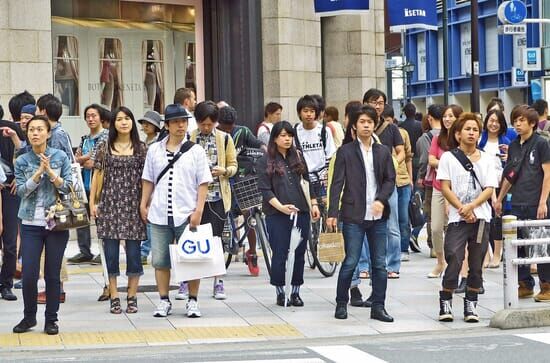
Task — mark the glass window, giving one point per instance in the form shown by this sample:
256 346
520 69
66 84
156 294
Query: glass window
153 75
65 63
190 62
110 73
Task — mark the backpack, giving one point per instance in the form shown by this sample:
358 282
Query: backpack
545 132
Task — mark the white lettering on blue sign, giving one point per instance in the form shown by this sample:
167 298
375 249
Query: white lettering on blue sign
414 12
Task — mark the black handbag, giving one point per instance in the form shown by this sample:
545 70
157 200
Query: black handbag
416 213
67 214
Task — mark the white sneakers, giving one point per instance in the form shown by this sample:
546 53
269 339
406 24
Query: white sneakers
183 291
163 309
193 309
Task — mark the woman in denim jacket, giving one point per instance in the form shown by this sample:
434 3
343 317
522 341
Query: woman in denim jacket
40 175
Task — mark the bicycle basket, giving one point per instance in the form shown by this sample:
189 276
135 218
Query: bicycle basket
246 192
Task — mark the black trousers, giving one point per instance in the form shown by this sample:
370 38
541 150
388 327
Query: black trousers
10 222
84 235
214 213
458 236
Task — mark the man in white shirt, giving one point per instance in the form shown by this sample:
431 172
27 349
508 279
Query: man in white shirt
272 115
186 97
315 141
174 200
467 193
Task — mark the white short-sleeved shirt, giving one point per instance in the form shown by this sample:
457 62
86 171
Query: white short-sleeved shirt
190 171
312 146
462 182
2 175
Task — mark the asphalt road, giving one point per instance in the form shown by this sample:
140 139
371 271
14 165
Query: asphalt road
479 345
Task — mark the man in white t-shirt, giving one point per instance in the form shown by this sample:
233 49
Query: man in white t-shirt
272 115
315 141
467 193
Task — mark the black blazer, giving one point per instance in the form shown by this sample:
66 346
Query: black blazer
349 174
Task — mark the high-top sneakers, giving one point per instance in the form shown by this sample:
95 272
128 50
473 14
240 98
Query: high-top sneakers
470 307
445 306
356 299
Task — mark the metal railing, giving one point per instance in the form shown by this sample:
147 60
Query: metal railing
510 224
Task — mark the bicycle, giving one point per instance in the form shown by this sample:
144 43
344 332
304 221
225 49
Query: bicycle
327 269
249 201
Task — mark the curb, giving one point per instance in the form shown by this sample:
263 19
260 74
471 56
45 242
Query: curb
521 318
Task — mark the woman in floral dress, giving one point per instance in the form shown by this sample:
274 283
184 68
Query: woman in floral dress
117 213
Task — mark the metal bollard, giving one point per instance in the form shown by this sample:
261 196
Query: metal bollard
510 272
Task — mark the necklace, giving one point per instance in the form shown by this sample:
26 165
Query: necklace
124 147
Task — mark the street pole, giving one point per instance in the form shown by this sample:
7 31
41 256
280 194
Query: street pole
403 61
474 101
445 55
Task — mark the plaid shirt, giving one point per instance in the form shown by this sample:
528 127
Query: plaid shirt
208 143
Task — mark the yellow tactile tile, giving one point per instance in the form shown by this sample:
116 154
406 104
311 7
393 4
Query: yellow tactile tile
164 336
277 330
39 339
9 340
81 339
122 337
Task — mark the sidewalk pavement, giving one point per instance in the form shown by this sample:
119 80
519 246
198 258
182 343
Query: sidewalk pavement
249 313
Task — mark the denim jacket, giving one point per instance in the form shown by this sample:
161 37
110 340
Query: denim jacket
25 167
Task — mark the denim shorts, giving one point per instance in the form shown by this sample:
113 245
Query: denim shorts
161 237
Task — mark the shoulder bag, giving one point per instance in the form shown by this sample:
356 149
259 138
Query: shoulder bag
67 214
184 148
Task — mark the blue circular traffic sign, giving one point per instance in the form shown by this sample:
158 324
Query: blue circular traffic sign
512 12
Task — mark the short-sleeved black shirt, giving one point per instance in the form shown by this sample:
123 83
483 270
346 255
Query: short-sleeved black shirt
527 188
391 137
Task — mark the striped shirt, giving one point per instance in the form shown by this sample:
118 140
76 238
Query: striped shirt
170 176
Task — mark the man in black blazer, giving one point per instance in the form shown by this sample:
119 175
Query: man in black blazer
364 170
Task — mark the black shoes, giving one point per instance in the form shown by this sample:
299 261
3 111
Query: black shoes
6 294
24 326
462 286
80 258
470 307
281 300
341 311
379 313
356 299
51 328
368 303
296 300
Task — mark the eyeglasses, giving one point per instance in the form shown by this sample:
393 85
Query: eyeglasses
374 103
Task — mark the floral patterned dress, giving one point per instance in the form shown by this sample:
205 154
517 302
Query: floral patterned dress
118 207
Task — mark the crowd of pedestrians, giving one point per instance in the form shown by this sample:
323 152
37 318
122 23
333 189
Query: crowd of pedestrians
363 170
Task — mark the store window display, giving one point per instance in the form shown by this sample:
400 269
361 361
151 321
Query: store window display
66 74
153 79
110 65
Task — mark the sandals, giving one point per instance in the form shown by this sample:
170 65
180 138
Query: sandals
115 306
105 295
393 275
364 275
132 307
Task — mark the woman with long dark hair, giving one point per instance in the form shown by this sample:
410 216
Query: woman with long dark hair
117 213
495 143
279 176
440 144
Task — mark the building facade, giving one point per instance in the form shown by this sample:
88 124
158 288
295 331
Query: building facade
500 57
138 52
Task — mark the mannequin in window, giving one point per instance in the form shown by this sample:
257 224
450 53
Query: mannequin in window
65 83
109 78
151 84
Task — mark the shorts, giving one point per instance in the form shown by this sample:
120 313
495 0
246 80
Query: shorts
161 237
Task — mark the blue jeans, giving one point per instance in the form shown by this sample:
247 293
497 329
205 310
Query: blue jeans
33 240
524 273
364 263
146 245
354 235
8 240
403 199
393 259
133 258
162 236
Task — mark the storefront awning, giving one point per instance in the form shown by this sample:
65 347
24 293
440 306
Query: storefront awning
339 7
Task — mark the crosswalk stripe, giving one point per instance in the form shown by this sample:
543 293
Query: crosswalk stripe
290 360
345 354
540 337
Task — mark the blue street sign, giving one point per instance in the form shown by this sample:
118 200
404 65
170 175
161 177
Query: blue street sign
408 14
336 7
536 89
512 12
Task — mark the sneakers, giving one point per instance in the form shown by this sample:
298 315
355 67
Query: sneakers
183 291
193 309
544 294
524 291
163 309
219 291
252 263
470 309
413 244
405 257
80 258
445 306
96 260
